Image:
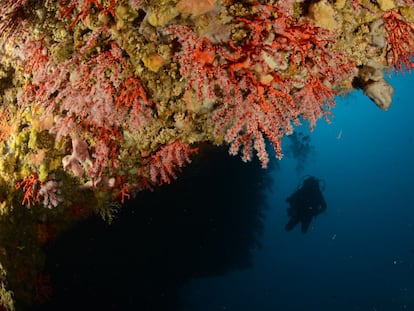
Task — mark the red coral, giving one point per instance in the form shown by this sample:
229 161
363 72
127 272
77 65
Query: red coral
124 192
306 44
11 18
91 97
83 9
256 110
160 168
196 60
400 39
91 94
105 152
253 79
30 186
133 101
316 99
35 191
8 6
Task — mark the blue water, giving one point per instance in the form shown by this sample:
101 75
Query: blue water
359 254
214 240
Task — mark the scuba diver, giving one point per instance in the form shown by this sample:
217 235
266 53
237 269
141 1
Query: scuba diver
305 203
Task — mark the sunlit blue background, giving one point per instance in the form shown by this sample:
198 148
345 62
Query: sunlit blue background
359 254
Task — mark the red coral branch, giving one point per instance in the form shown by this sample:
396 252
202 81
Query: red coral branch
124 192
30 186
161 167
105 152
11 18
83 9
196 60
256 110
315 100
400 39
133 101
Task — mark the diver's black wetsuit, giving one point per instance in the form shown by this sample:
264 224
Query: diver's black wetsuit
305 203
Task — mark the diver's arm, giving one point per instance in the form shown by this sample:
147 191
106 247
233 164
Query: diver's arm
322 205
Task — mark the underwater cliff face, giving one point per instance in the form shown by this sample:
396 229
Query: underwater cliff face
103 99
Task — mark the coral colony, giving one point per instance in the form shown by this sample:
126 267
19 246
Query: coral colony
102 99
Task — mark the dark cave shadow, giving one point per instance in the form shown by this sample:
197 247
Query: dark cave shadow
206 223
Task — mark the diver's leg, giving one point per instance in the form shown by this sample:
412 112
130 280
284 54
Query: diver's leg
292 223
305 224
